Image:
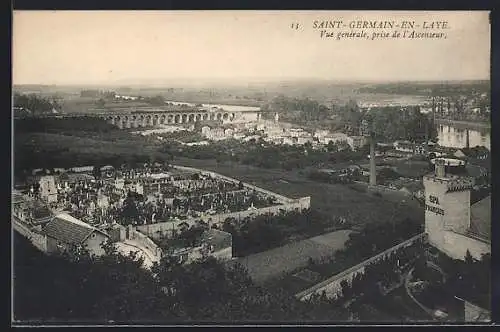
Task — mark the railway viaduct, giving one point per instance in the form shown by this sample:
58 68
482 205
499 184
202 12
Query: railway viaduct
137 118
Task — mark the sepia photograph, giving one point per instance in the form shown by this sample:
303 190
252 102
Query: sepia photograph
176 168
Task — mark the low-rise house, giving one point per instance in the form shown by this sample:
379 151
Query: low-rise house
356 142
334 138
64 232
82 169
404 146
212 242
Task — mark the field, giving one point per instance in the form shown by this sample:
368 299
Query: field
272 263
412 168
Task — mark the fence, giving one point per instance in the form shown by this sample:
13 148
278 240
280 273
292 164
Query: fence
332 285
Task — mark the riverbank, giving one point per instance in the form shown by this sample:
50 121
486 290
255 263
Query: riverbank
465 124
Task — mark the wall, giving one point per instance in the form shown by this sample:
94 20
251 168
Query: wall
455 245
145 242
165 228
474 313
55 246
37 239
94 243
117 233
331 287
457 211
224 254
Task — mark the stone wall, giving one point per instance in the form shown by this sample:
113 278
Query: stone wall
143 240
473 313
37 239
166 228
331 287
456 245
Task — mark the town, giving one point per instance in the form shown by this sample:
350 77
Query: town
197 183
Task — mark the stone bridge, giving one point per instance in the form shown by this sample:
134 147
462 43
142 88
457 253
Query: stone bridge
137 119
149 117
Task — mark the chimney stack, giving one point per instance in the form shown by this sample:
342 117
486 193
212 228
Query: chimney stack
467 139
439 168
373 176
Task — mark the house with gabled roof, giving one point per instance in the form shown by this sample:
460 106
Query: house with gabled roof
64 232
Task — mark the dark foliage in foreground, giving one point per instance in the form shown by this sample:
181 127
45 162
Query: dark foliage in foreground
116 289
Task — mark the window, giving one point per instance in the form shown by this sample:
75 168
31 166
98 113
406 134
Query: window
93 235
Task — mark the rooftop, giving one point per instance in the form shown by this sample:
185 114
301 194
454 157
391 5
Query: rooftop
68 229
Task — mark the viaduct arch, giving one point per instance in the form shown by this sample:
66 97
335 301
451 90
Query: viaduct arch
148 119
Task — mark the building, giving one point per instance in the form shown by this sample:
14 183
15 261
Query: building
64 232
356 142
213 242
333 138
30 211
48 189
452 225
404 146
82 169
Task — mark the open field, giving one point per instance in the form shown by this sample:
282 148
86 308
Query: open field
272 263
412 168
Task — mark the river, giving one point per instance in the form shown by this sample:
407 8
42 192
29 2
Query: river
229 108
452 136
448 135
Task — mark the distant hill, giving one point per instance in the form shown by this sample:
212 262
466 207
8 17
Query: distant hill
428 88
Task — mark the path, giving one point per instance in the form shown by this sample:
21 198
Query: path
128 246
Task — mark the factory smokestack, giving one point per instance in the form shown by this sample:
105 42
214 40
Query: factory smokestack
373 176
467 139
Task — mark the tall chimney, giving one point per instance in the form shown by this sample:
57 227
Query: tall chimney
426 143
373 176
467 138
439 168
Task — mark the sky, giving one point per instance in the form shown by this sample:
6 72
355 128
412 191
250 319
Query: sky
106 47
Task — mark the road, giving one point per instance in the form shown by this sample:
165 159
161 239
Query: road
128 246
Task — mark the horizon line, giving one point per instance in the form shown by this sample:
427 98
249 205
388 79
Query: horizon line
253 80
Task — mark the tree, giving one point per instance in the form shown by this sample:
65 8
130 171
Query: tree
100 102
96 172
468 258
130 213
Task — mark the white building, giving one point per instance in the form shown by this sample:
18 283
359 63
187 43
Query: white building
452 224
334 138
48 190
404 146
356 142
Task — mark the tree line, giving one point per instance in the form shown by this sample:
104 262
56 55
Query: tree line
115 289
35 104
